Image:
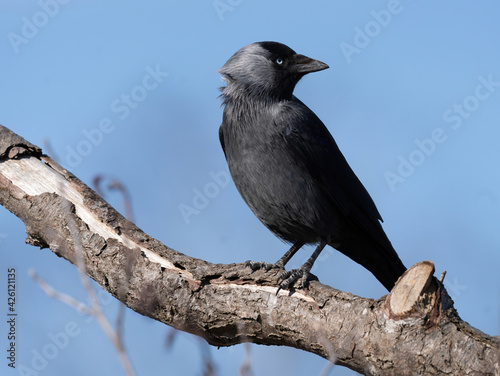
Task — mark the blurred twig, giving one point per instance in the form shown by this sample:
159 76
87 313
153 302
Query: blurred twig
65 298
245 369
207 361
95 311
170 338
96 307
115 185
48 148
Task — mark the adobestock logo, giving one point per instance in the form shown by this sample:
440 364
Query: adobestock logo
224 6
201 198
57 343
32 25
364 36
461 111
122 107
455 115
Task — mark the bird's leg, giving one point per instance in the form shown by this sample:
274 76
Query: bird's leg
254 265
293 275
289 254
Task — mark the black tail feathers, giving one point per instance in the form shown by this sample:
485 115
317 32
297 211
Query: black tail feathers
383 262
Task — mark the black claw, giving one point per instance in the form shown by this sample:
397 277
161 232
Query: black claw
287 278
293 277
290 277
284 275
305 280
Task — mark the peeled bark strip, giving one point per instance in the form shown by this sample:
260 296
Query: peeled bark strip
415 331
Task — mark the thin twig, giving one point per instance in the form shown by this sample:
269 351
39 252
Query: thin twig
95 311
443 274
170 338
50 151
246 366
116 185
332 357
328 368
207 361
96 308
65 298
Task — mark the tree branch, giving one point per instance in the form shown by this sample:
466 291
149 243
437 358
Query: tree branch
415 330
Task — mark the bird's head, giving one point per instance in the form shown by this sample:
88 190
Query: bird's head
266 70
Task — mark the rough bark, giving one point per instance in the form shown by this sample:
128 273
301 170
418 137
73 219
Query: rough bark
413 331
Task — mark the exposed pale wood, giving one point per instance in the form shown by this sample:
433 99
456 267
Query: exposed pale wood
415 285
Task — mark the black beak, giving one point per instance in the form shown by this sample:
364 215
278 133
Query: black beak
304 64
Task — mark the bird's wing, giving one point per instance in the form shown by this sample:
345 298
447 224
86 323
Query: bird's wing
317 154
221 138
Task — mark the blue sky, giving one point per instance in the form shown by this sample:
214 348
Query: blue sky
129 89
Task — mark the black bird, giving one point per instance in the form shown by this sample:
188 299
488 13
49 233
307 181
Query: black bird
289 169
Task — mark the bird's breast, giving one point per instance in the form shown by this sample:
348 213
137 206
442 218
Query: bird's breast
274 186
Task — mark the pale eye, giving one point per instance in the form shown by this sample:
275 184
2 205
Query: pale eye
279 61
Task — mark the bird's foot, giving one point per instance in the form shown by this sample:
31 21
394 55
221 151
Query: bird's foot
290 277
256 265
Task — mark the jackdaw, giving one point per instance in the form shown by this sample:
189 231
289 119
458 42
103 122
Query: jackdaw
289 170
